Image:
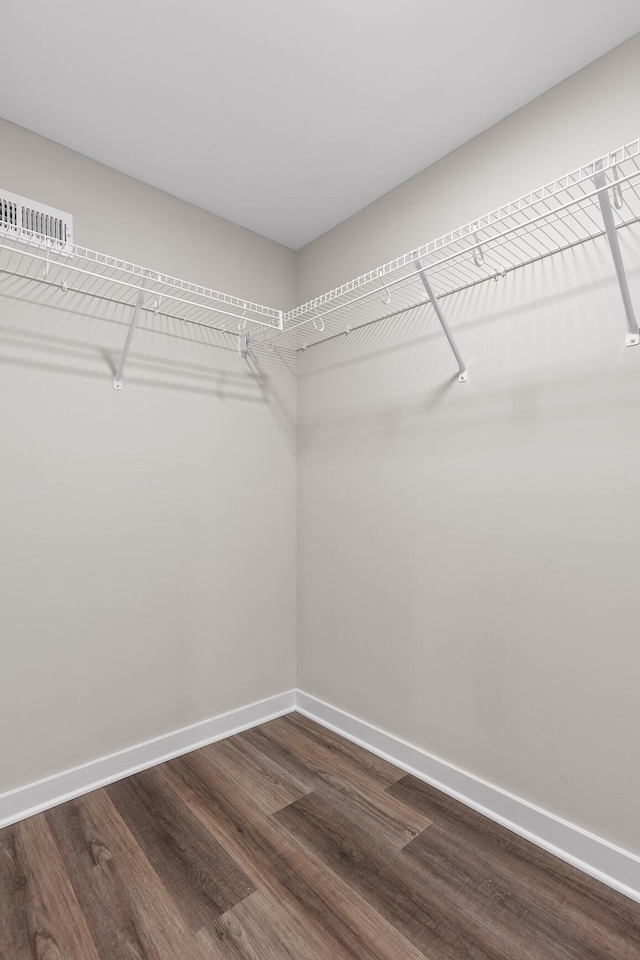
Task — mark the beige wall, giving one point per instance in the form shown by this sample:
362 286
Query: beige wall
468 553
147 544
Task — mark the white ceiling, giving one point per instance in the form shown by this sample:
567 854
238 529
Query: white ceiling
287 116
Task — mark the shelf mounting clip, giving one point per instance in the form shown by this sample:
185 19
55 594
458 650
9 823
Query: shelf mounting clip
462 370
117 380
600 181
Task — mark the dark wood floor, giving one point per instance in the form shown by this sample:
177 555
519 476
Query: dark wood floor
289 843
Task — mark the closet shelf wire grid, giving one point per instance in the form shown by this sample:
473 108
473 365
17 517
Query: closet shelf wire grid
556 217
79 270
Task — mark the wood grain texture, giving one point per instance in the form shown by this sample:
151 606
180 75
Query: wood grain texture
254 774
397 822
286 842
248 932
128 909
309 751
432 923
595 916
331 919
270 858
14 939
201 877
48 922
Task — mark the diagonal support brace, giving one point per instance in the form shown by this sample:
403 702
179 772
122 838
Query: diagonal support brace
117 380
600 180
462 370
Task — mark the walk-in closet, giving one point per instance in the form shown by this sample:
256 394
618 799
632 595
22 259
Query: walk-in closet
319 376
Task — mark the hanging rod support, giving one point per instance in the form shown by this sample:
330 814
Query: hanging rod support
462 370
243 344
600 181
117 380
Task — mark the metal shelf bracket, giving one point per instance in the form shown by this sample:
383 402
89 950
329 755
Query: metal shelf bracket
117 380
243 344
600 181
462 370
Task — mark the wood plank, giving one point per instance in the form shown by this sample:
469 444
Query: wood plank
92 869
438 924
325 771
311 753
393 821
201 877
128 909
383 770
256 930
587 909
48 922
270 769
536 933
336 922
251 839
14 932
271 787
265 764
333 753
286 841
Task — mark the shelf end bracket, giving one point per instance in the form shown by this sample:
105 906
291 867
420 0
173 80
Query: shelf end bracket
462 370
633 333
117 380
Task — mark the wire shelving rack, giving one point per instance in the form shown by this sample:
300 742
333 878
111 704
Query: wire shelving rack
593 201
76 269
596 200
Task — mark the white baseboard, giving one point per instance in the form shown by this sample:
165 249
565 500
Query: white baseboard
600 859
43 794
603 860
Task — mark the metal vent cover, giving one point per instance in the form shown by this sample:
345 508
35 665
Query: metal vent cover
34 222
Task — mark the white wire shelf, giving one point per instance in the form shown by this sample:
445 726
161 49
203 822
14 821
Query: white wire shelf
555 217
593 201
99 275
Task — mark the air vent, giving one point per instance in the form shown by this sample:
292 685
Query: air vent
33 222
